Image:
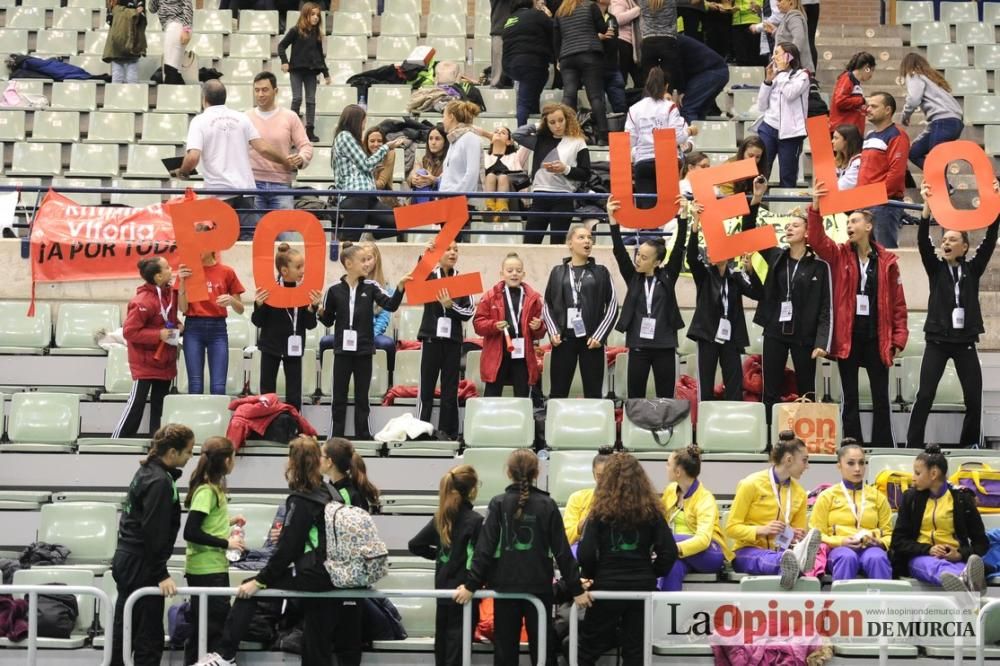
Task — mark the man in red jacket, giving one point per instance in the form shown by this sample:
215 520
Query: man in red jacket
869 323
883 160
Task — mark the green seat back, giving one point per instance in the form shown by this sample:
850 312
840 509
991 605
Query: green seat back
638 439
259 518
417 614
17 329
206 415
76 323
866 585
580 423
408 322
88 529
570 471
773 584
308 374
499 422
234 373
491 466
117 376
407 370
899 462
44 418
56 576
731 427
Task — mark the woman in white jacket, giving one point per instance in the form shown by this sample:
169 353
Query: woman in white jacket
784 100
654 111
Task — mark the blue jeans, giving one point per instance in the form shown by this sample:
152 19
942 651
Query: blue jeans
786 150
938 131
614 86
701 90
529 81
268 199
206 335
887 220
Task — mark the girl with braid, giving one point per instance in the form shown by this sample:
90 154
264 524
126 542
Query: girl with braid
522 534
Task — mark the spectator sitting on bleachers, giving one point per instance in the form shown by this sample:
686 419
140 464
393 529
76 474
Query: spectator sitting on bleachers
177 18
750 148
424 177
126 41
939 537
704 73
855 520
307 62
219 140
883 160
928 91
846 142
578 504
383 172
769 533
693 516
462 170
283 129
847 105
503 160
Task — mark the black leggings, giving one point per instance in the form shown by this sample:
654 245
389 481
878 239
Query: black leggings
588 69
507 618
812 23
218 610
293 377
156 390
660 52
773 367
563 367
344 367
609 624
865 354
663 364
131 572
448 632
513 372
559 223
727 355
442 358
627 63
361 210
970 374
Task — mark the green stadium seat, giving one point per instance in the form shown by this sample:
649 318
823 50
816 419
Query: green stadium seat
249 46
576 387
498 423
579 423
164 128
481 27
93 63
356 6
207 45
235 375
773 584
925 33
872 588
620 382
340 71
93 42
387 100
417 614
500 102
894 461
350 47
407 369
380 376
26 18
395 48
23 500
147 161
178 99
56 127
404 25
258 22
982 110
991 13
491 466
716 136
213 21
569 471
986 56
408 322
93 159
240 329
319 168
84 198
439 7
915 343
206 415
448 48
259 518
308 375
959 12
349 23
74 96
117 375
756 334
56 43
331 100
992 140
135 200
21 334
36 159
403 7
967 81
111 128
13 41
409 505
85 603
949 394
974 33
447 25
76 324
132 97
42 422
948 55
481 46
640 441
914 11
239 70
88 529
731 427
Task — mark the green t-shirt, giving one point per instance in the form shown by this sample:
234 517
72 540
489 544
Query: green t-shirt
211 501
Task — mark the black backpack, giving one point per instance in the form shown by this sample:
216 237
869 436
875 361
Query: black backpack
57 615
657 415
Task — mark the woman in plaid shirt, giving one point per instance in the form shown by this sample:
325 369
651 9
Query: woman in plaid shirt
352 169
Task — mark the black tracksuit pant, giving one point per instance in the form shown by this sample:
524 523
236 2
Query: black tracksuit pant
865 354
663 364
131 573
773 364
444 358
564 362
344 366
970 374
726 355
558 223
293 377
507 617
448 632
153 389
218 610
513 372
612 623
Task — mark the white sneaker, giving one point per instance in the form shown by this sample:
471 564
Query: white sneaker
805 550
952 583
215 659
789 570
974 576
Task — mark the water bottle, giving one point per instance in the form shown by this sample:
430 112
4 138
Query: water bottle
234 554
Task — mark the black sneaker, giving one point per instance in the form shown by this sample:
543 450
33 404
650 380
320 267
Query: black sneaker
311 134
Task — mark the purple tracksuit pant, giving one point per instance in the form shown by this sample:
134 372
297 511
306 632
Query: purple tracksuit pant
757 561
709 560
843 563
928 569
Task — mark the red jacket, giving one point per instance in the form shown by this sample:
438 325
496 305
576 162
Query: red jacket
255 412
847 106
883 159
491 309
843 260
143 324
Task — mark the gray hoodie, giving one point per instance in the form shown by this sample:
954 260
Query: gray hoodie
932 99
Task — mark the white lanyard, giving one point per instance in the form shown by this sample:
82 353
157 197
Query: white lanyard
352 296
165 309
777 496
790 278
859 514
863 266
293 313
515 317
725 296
957 277
573 288
649 287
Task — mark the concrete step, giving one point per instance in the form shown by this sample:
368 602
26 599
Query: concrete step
835 31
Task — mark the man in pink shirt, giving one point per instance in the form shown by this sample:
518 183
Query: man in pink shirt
283 129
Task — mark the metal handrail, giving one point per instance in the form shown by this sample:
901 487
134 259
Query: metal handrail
33 591
649 597
204 592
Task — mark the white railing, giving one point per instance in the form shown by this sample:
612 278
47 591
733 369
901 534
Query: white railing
34 590
981 631
203 593
648 599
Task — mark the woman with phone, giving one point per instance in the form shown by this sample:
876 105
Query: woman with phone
784 100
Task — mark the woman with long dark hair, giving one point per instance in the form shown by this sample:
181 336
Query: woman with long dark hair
927 90
750 148
425 175
352 169
784 101
847 145
847 104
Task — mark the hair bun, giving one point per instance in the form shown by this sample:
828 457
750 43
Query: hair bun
694 451
849 441
346 244
933 449
786 435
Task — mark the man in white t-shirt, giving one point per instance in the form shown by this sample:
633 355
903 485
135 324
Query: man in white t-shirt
219 140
